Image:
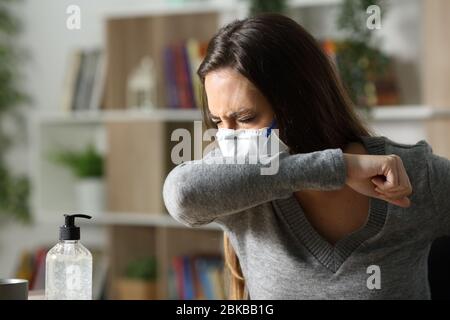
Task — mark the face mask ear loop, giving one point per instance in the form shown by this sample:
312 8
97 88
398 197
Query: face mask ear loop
271 127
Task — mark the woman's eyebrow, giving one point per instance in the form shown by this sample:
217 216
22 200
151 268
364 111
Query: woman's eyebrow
234 113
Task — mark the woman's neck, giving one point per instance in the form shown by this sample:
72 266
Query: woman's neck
355 148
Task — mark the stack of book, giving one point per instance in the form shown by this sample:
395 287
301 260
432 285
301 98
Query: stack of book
84 80
194 277
181 61
32 268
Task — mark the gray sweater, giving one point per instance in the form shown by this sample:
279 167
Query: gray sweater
283 257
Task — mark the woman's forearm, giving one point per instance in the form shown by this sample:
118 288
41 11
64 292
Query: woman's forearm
195 192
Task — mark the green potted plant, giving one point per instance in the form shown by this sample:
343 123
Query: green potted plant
360 62
87 166
139 280
14 189
263 6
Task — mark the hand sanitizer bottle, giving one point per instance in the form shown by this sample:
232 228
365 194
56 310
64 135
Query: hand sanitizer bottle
68 274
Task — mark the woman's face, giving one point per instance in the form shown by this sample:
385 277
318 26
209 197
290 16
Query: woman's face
234 102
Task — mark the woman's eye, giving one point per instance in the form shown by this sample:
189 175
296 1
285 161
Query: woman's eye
246 120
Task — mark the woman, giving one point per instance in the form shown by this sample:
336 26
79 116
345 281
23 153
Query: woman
338 220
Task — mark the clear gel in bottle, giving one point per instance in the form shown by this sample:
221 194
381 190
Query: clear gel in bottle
68 273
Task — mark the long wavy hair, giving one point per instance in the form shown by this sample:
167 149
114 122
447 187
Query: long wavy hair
289 67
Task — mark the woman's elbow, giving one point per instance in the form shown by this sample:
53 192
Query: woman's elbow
179 200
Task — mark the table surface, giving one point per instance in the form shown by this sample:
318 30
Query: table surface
36 295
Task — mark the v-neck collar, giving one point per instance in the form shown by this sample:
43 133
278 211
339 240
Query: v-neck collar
332 257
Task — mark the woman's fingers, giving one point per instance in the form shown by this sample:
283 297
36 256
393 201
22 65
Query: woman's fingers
382 187
393 176
396 187
404 202
381 176
404 189
380 183
403 177
390 170
394 195
405 180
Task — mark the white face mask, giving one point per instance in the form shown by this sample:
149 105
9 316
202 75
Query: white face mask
249 142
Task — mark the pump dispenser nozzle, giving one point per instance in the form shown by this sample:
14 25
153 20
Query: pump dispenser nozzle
69 231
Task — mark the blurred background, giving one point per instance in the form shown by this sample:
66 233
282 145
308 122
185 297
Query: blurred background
91 90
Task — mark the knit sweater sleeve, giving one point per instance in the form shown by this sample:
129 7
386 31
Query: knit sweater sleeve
199 191
439 185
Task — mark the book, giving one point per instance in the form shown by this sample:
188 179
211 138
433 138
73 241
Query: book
24 268
181 61
31 266
199 292
329 47
37 281
188 75
197 276
177 264
181 76
98 79
70 80
193 47
215 275
169 76
100 268
84 82
189 293
172 292
201 267
80 88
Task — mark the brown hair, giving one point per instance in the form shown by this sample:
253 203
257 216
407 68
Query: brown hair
289 67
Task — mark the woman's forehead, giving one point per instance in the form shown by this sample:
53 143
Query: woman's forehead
228 91
227 78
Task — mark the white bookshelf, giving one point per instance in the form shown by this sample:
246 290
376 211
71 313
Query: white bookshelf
124 219
311 3
98 117
135 9
238 8
145 219
409 113
384 113
53 186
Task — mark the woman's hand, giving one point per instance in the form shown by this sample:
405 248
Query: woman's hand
379 176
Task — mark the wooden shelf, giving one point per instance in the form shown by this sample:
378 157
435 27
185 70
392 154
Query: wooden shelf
162 8
312 3
384 113
145 219
127 219
408 113
93 117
